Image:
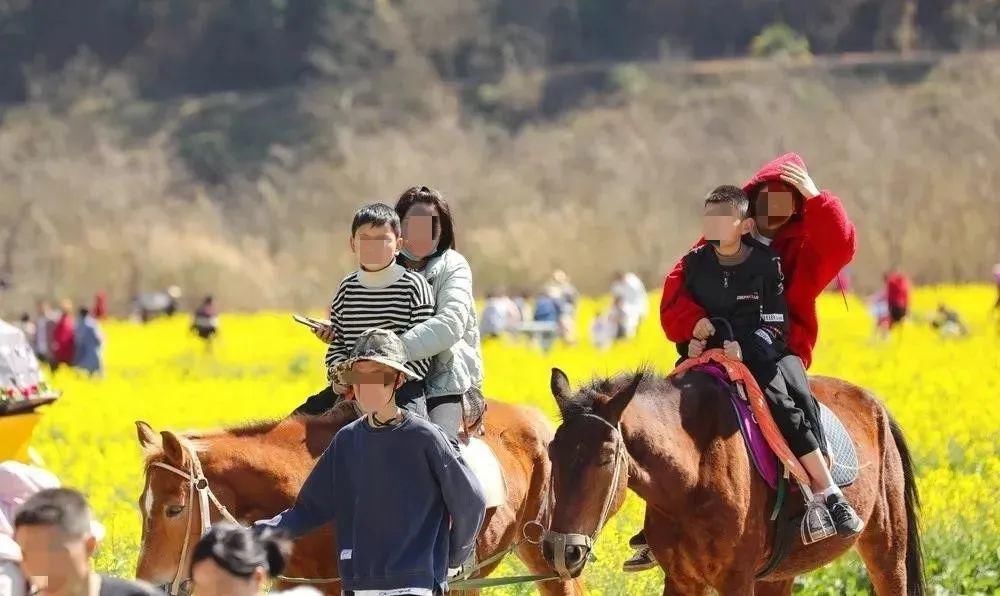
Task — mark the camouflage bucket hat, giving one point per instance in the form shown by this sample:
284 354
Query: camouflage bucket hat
378 345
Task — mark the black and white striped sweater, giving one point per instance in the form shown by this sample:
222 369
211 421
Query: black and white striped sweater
393 298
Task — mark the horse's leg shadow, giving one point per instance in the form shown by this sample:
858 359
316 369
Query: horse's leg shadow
531 556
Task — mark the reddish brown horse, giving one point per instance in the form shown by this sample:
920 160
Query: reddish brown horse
676 443
255 472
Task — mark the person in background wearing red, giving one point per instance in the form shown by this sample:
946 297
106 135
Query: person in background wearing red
897 294
100 310
811 232
63 337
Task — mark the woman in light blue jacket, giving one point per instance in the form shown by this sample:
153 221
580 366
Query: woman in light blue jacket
451 336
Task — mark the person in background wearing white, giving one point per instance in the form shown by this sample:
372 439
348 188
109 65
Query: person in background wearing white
631 290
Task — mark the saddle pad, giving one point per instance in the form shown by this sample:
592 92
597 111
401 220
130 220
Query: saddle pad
487 469
845 458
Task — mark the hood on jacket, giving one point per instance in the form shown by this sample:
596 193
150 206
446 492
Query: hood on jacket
770 173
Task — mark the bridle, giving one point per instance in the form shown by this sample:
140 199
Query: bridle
560 541
197 483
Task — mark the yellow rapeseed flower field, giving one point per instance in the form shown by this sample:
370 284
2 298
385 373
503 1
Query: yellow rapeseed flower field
944 392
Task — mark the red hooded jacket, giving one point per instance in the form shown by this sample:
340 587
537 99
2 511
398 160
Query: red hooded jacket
814 246
897 290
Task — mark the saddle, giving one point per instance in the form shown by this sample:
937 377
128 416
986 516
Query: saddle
769 452
486 467
766 447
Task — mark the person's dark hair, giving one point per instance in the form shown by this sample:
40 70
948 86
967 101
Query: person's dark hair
376 214
25 317
240 550
63 508
83 311
444 225
727 194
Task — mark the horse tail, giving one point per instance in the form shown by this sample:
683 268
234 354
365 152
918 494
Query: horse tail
914 554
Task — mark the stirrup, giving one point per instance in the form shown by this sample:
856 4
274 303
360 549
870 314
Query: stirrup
817 523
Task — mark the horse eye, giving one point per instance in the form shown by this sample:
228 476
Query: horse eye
174 510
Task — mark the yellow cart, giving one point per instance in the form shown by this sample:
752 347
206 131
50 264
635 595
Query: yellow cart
22 393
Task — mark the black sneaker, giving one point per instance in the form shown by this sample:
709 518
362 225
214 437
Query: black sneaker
846 520
641 560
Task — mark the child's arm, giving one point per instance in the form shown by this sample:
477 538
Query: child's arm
463 497
314 505
421 310
679 313
453 306
338 350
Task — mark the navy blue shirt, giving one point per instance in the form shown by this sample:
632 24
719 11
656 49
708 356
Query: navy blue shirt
392 491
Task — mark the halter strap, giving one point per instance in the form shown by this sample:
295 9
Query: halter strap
560 541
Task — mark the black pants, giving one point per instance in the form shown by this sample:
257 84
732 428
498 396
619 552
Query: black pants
446 412
797 383
795 426
409 396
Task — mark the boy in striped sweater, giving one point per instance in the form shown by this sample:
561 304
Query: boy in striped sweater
381 294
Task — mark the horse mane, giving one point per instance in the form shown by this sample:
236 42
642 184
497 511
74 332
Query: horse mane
279 430
593 394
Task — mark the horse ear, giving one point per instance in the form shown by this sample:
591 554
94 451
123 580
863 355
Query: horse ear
173 450
559 385
148 439
615 406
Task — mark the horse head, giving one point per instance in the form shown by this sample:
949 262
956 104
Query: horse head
589 468
170 515
192 481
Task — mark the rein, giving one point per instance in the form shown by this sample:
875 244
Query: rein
559 540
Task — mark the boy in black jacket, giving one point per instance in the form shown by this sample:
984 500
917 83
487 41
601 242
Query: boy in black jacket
740 280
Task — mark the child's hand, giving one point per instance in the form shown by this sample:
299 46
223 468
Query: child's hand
324 333
732 349
696 347
799 178
703 329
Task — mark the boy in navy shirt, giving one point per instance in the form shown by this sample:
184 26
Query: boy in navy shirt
407 508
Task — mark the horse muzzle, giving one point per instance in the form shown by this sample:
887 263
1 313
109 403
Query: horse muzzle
567 554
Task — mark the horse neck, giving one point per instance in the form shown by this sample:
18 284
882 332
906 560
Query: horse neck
663 456
259 473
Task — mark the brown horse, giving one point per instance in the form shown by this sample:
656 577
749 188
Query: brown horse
255 472
675 442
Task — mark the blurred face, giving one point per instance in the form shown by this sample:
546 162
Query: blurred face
54 561
774 206
375 246
373 384
212 580
721 226
421 230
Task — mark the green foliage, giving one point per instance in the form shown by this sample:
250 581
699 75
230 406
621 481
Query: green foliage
778 40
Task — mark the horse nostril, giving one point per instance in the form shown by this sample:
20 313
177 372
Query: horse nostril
574 555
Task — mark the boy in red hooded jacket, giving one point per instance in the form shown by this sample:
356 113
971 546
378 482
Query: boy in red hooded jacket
810 231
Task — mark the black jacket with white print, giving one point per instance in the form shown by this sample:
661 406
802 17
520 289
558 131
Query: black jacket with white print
749 295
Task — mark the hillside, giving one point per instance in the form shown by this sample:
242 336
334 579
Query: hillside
248 193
